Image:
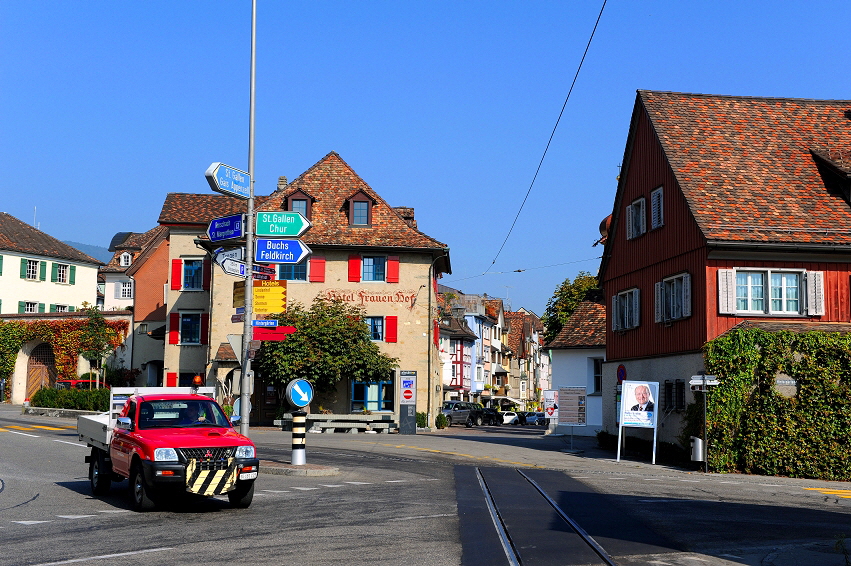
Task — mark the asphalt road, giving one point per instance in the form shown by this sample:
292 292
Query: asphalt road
417 500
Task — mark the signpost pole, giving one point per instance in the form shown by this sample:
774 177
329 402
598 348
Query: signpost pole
245 385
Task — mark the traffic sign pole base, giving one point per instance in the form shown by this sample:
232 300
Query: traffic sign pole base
299 458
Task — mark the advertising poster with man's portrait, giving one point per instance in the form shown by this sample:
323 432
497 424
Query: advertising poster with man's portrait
638 404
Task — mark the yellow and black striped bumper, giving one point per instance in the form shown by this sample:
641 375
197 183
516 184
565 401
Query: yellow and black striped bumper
211 481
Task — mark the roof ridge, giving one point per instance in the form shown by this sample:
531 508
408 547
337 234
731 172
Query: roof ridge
743 97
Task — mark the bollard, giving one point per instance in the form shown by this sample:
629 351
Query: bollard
299 438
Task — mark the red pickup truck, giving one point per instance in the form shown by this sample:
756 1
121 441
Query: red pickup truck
168 441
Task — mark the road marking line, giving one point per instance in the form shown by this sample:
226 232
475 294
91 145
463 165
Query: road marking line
276 490
114 511
652 479
691 481
331 485
103 556
770 484
72 443
47 427
23 433
423 517
359 482
30 522
731 482
395 481
305 488
843 493
75 516
16 427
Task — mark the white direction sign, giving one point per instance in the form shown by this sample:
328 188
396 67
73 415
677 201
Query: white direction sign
237 254
234 267
228 180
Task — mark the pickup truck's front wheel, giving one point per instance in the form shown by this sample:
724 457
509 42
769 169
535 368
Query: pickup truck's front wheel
100 473
241 496
139 492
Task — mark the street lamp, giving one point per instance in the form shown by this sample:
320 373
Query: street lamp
430 325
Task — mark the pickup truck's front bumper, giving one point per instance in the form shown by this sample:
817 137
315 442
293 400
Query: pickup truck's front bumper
172 475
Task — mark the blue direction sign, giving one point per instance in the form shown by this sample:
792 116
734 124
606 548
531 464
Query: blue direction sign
264 323
226 228
280 251
300 393
228 180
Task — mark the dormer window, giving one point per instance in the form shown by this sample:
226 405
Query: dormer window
126 259
301 202
360 209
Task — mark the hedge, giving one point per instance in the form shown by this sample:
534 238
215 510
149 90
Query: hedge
79 399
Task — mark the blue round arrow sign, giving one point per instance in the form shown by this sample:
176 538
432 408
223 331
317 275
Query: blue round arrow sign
300 393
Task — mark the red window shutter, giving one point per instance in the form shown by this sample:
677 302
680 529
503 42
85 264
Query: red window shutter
176 274
208 273
317 269
436 333
354 268
205 327
171 379
390 325
174 328
393 269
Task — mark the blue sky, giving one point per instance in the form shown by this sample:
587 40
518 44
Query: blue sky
105 107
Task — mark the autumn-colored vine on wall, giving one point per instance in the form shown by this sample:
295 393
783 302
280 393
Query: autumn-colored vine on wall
67 337
756 427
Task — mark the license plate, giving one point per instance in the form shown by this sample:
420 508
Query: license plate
248 476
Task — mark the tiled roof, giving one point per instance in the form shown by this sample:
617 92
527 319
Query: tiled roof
515 332
331 181
225 353
21 238
457 329
189 208
746 167
586 328
135 243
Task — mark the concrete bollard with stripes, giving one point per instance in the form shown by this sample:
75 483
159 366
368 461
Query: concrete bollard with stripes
299 436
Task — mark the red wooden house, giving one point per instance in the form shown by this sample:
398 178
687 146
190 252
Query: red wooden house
728 209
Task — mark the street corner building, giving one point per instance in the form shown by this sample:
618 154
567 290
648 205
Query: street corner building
363 252
729 211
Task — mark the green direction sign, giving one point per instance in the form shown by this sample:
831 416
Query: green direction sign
281 224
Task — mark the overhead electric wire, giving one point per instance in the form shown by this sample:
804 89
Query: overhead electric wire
549 141
524 269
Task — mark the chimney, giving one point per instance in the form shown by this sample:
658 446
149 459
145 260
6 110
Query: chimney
407 214
282 183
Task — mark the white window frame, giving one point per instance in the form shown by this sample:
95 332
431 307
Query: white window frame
30 307
32 269
810 292
62 271
126 259
200 329
61 308
667 309
636 219
126 291
657 210
626 310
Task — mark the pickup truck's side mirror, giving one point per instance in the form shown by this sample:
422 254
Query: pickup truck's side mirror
124 423
234 419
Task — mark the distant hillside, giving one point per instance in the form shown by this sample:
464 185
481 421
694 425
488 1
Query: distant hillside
96 252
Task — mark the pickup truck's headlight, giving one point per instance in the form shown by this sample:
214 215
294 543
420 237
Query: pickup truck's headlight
165 455
244 452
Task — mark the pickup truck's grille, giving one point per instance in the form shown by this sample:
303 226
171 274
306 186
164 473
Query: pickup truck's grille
204 454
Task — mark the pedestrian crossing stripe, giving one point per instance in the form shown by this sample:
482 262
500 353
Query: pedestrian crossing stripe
16 427
47 427
843 493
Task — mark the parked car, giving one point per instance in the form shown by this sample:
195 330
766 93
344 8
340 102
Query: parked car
542 419
492 416
531 418
78 384
458 412
510 417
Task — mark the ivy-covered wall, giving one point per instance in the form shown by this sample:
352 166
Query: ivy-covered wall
67 337
754 428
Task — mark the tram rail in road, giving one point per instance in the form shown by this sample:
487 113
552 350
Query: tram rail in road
543 517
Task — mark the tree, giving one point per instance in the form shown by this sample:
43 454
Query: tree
332 342
96 337
564 301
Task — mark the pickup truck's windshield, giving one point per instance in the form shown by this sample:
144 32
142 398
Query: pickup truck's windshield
180 414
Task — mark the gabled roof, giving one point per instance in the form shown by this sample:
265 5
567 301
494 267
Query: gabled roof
331 182
457 329
586 328
135 243
21 238
746 165
199 209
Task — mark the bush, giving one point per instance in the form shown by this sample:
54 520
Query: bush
440 421
422 420
77 399
228 409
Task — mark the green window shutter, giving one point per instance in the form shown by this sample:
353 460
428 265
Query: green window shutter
72 309
72 275
1 265
23 268
22 307
54 272
52 308
41 307
42 271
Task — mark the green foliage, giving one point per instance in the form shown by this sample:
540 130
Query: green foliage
78 399
332 343
228 409
422 419
752 428
441 421
564 301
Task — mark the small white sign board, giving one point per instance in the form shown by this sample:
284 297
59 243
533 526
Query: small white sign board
638 409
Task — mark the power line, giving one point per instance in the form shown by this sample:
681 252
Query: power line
524 269
552 134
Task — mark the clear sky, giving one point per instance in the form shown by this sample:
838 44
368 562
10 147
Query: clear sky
105 107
